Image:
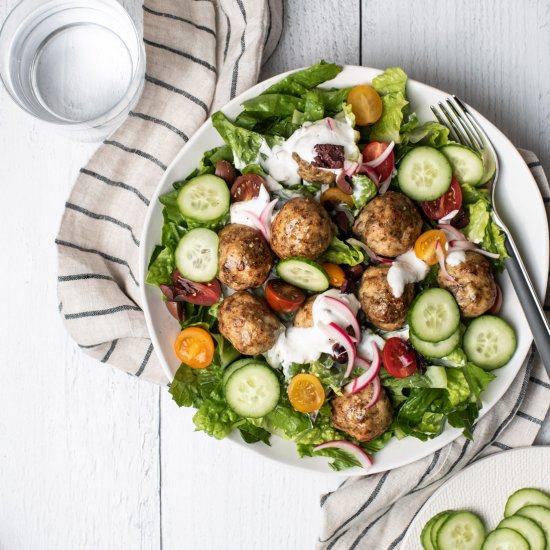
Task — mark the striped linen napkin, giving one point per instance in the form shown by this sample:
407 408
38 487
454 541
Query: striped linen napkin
374 512
200 54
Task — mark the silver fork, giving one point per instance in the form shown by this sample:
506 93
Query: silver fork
465 129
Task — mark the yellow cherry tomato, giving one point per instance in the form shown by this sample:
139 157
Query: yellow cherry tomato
306 393
336 275
195 347
333 197
365 104
425 245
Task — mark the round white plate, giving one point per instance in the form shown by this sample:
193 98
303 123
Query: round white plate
520 205
484 487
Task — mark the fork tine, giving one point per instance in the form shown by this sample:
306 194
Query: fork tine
443 122
466 125
473 122
462 137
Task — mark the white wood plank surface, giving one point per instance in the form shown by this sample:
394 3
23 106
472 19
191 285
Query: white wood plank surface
93 458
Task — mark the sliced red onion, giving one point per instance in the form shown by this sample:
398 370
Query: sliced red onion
376 392
371 173
341 337
446 220
385 184
374 257
379 160
441 258
495 308
359 454
350 167
343 184
346 313
468 245
452 232
372 370
257 223
265 217
330 123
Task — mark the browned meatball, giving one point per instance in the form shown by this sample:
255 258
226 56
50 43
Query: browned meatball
389 224
301 228
349 414
304 316
381 307
245 259
474 290
248 323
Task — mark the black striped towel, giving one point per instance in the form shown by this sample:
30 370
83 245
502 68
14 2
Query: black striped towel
374 512
200 54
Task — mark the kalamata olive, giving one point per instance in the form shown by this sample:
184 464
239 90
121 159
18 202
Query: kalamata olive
348 287
176 309
343 184
341 221
168 291
339 354
461 219
201 294
353 272
226 171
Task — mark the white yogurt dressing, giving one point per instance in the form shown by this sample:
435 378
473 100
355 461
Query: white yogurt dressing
278 161
240 211
364 349
406 269
305 345
455 258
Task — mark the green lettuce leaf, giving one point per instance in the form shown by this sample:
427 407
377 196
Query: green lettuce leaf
458 388
364 190
284 420
161 269
253 434
340 252
392 81
430 133
216 418
478 213
342 459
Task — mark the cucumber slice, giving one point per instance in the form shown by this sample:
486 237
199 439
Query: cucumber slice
540 515
437 376
467 165
424 174
303 274
489 342
505 539
528 529
236 365
525 497
204 198
434 315
462 531
440 520
489 166
425 536
197 255
253 390
437 349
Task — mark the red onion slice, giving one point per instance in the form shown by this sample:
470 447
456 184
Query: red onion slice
385 184
359 454
376 391
446 220
350 167
265 217
374 257
343 184
346 313
341 337
495 308
468 245
371 173
257 223
379 160
441 258
452 232
330 123
372 370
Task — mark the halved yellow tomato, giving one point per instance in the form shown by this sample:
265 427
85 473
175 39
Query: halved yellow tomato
365 104
333 197
425 245
336 275
306 393
195 347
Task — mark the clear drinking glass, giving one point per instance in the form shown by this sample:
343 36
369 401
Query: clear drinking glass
76 64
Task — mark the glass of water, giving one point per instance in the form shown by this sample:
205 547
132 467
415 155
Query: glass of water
78 64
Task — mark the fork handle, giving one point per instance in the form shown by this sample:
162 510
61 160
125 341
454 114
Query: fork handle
529 301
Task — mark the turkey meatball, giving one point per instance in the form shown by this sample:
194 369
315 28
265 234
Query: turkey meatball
381 307
304 316
301 228
474 287
389 224
244 257
351 415
248 323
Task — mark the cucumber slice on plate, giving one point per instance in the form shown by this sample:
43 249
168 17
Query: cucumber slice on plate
504 538
489 342
236 365
303 274
489 166
439 521
197 255
424 174
461 531
434 315
425 536
204 198
436 349
467 165
253 390
528 529
525 497
437 376
540 515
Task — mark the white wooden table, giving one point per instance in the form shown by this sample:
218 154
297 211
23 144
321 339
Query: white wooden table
93 458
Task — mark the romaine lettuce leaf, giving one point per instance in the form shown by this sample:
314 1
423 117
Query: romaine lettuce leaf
364 190
458 388
269 105
216 418
342 459
340 252
161 269
392 81
430 133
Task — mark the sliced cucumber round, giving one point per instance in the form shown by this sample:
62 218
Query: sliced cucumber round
525 497
461 531
440 520
489 166
204 198
236 365
434 315
424 174
489 342
197 255
436 349
425 536
528 529
540 515
253 390
437 376
303 274
467 165
504 538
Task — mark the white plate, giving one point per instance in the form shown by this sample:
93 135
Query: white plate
474 489
522 208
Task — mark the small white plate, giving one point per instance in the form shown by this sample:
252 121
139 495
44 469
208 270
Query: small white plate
484 487
520 205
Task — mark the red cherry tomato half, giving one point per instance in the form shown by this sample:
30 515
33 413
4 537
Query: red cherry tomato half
246 187
201 294
283 297
439 208
372 151
399 358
